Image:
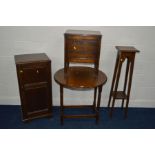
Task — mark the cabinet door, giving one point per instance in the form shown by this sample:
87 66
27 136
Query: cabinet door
36 99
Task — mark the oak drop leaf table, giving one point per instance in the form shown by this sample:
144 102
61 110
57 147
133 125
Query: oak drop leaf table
80 78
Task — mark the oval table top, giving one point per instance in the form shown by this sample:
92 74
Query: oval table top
78 77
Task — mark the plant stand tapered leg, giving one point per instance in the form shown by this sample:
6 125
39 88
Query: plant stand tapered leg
124 53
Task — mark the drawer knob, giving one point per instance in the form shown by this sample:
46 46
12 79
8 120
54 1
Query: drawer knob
74 48
21 71
37 72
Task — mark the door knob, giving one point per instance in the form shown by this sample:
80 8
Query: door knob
37 71
74 48
21 71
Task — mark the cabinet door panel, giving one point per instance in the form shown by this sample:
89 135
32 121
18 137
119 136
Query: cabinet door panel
36 98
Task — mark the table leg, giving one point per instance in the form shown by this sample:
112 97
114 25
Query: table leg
94 103
98 102
61 105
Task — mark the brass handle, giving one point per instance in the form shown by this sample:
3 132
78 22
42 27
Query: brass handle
121 60
21 71
74 48
37 71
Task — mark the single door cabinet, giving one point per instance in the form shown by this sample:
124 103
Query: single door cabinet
35 87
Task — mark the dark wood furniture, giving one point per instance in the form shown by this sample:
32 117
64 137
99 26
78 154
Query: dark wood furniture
81 47
124 53
34 79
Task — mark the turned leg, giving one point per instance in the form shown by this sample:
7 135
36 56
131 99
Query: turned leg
94 102
61 105
98 102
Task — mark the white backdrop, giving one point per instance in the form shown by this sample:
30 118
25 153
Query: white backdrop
50 40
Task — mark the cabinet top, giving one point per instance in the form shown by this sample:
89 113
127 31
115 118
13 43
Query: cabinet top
28 58
83 32
126 49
